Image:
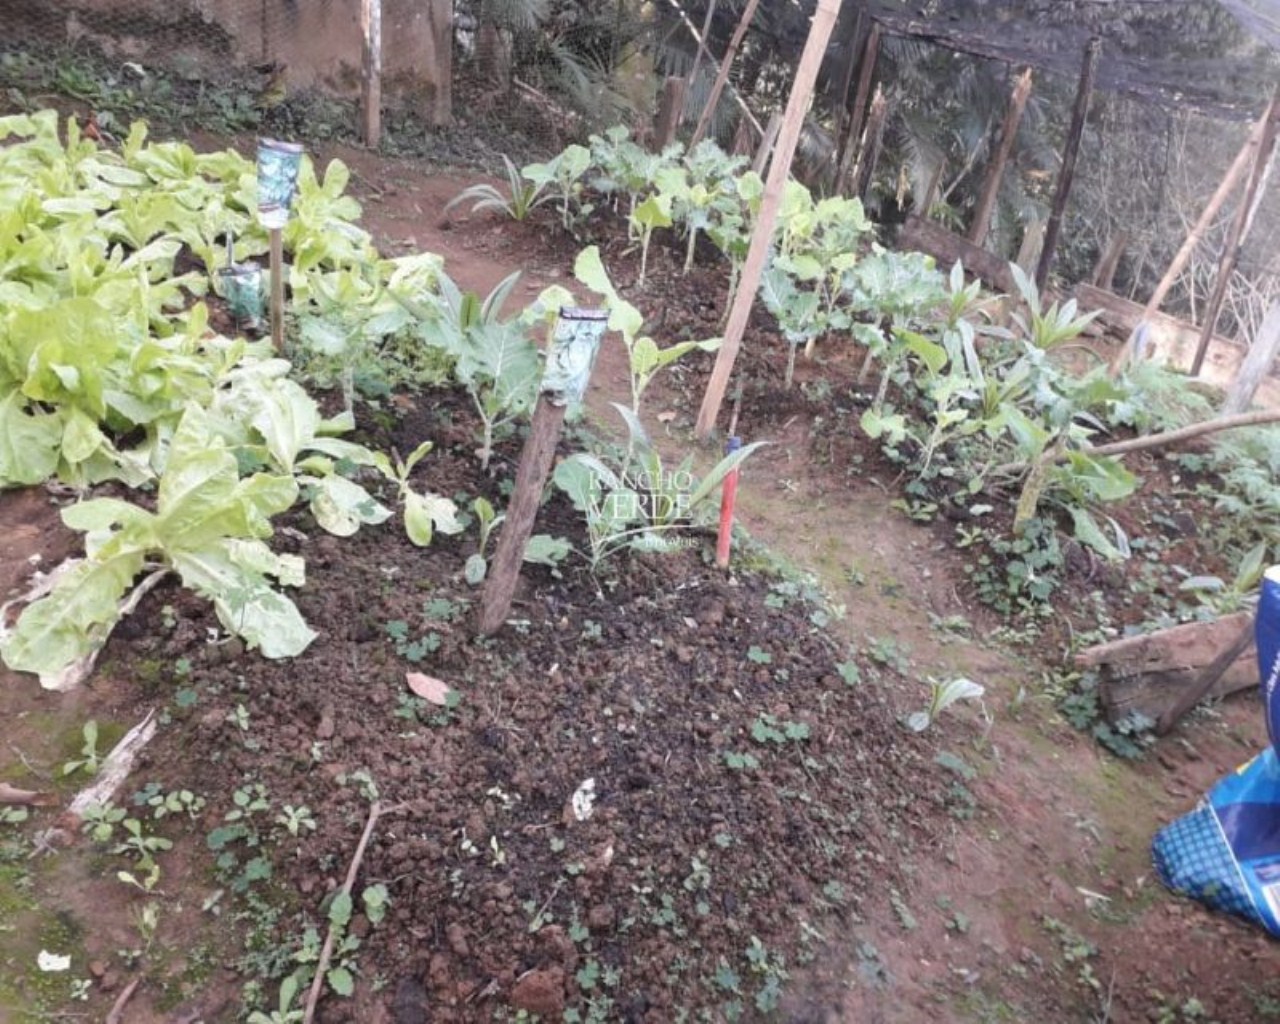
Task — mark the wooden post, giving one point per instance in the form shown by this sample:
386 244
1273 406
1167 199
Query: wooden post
1066 176
570 357
824 20
1104 273
722 76
869 159
995 172
843 119
277 289
767 143
1239 230
669 108
371 77
439 61
857 114
1257 364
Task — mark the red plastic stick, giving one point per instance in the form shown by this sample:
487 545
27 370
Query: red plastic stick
728 497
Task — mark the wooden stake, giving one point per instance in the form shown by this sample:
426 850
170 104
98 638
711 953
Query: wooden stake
1079 114
570 357
722 76
843 119
870 159
1229 181
277 289
767 143
1257 364
371 77
702 42
824 20
995 171
857 113
669 108
1104 273
1239 229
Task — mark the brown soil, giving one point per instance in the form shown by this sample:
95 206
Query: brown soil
1009 882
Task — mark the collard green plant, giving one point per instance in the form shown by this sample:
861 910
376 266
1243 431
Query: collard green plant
645 358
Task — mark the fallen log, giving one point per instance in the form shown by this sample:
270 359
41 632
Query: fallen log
1149 674
920 235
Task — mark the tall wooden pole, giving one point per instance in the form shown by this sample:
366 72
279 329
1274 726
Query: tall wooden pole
1069 156
995 172
702 42
858 112
371 77
722 76
824 20
1239 230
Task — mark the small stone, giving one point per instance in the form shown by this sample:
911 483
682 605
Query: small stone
601 917
97 968
457 937
684 654
324 731
540 992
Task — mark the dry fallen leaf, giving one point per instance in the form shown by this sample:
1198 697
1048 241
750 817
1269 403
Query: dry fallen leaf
429 688
11 795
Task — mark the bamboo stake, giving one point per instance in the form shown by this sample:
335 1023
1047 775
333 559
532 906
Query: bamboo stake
824 20
1239 230
1079 114
767 143
700 39
702 42
371 78
995 173
722 76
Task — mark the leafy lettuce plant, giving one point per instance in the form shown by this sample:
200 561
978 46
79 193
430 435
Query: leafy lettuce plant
208 527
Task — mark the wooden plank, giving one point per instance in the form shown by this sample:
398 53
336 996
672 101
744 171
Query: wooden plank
844 120
1190 645
1070 154
824 20
1122 695
1239 230
1198 689
995 172
1256 365
1169 340
371 73
722 76
927 236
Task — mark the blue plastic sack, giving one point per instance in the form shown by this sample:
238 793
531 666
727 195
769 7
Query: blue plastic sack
1226 852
